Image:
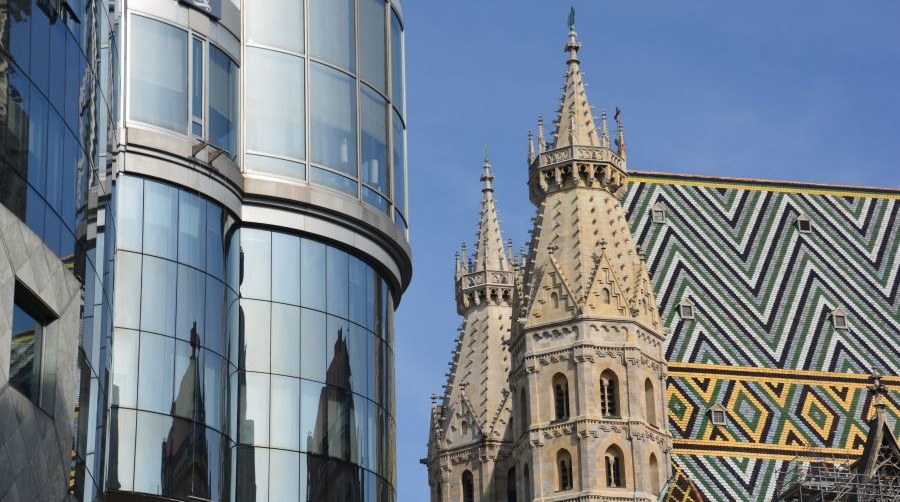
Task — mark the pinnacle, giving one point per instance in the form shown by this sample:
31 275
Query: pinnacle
490 253
575 121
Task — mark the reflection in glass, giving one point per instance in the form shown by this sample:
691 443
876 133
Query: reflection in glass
357 281
278 23
156 361
285 339
214 336
215 242
276 115
214 373
256 278
284 470
25 353
285 413
128 298
130 211
159 74
159 279
191 302
333 116
372 43
312 345
255 336
254 409
122 424
331 32
152 430
223 100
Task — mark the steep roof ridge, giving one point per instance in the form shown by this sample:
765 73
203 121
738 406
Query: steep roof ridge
574 117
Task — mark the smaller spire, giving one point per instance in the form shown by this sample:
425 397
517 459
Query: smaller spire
487 177
530 147
604 133
572 46
620 134
542 144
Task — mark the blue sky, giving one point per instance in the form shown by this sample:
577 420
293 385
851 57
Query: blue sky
801 90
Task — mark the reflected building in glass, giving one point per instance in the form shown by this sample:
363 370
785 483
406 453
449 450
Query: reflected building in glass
254 249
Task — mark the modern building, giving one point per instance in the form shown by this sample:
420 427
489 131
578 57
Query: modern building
241 239
768 336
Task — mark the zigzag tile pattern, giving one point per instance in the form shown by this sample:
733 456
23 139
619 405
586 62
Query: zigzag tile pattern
763 292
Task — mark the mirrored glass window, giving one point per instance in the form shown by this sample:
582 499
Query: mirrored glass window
286 263
332 33
25 351
128 297
130 212
191 304
284 484
255 339
286 339
157 358
191 230
373 119
152 432
333 117
161 220
399 166
285 413
275 103
254 412
313 406
214 334
277 23
312 274
158 282
223 100
121 467
337 280
215 369
159 75
125 368
312 345
396 61
372 43
256 279
215 242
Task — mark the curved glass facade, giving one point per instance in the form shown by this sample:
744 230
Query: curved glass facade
324 97
314 391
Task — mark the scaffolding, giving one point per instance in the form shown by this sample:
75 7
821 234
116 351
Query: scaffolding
816 477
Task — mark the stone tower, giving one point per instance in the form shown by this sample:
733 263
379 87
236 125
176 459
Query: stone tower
470 441
588 366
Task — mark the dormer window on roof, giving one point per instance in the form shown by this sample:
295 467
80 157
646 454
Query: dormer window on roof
803 224
686 309
718 414
839 318
658 213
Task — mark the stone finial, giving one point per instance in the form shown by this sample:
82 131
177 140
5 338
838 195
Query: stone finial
530 147
542 143
604 134
620 134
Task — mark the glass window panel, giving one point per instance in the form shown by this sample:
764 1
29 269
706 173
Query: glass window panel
214 336
371 293
333 117
256 276
214 374
278 23
359 355
40 47
285 413
128 290
125 368
233 328
399 164
120 475
255 337
215 243
191 304
152 436
25 353
358 298
396 61
19 43
312 426
334 180
286 261
275 103
130 209
197 86
57 66
372 43
374 438
331 33
373 112
337 352
284 469
251 468
191 230
17 118
159 280
336 271
160 220
312 274
223 100
359 434
312 345
159 74
274 166
56 133
372 197
286 339
254 412
233 260
188 381
373 373
157 357
37 142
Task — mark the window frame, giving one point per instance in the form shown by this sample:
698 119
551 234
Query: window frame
34 307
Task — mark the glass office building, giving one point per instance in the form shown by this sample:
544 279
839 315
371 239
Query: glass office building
256 242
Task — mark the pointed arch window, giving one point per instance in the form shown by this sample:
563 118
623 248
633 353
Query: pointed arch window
650 402
564 470
511 485
604 296
654 474
609 394
561 396
554 299
613 459
468 487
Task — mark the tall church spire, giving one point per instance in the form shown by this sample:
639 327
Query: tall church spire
574 120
